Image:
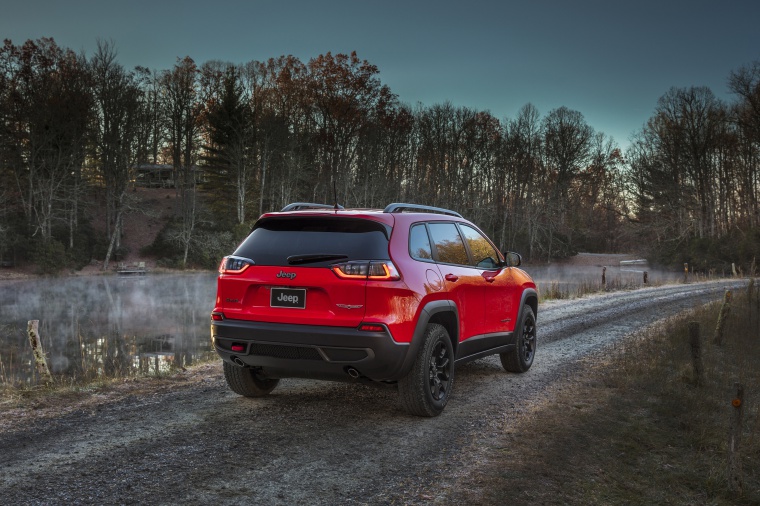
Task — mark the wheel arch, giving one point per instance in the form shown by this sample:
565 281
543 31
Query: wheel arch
530 298
442 312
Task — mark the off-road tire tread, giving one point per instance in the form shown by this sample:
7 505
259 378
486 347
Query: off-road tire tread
512 361
412 388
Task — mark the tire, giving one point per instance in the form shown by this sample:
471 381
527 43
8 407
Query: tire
427 388
246 381
520 359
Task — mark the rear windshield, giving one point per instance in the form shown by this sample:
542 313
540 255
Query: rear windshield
273 240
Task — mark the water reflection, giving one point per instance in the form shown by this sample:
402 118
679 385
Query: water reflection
119 326
104 325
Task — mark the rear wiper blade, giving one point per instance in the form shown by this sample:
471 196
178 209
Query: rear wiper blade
316 257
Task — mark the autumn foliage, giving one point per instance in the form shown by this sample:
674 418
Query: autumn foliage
246 138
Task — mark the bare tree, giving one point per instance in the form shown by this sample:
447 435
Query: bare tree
152 133
745 83
51 111
344 90
567 144
182 111
115 134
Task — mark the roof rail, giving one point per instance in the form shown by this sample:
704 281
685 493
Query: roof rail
298 206
399 208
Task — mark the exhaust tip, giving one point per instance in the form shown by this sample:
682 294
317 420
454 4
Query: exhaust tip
353 373
238 362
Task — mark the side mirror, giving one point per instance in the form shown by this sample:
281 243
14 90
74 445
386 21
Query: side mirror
512 259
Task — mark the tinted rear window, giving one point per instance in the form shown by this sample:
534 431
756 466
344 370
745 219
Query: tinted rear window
273 240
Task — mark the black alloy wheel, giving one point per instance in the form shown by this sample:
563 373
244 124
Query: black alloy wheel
528 345
440 371
521 358
426 389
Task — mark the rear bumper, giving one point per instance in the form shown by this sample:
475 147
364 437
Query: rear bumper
309 351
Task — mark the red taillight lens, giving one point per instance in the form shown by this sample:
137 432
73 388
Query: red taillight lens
239 348
371 327
383 271
234 265
217 317
378 270
351 270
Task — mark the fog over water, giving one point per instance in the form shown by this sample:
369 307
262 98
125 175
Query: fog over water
118 326
570 278
106 325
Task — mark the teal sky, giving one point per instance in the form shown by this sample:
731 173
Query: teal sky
609 60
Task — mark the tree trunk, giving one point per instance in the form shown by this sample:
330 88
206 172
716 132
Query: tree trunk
40 361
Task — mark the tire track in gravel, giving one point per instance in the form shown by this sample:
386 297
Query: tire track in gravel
310 442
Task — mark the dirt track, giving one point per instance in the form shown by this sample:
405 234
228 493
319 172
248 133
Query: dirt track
309 442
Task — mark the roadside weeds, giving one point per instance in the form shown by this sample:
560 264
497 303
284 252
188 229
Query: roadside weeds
29 403
635 428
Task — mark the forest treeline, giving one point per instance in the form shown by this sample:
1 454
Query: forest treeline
241 139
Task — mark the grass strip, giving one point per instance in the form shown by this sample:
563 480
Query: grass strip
635 427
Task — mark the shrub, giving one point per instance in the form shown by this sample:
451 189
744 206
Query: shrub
49 256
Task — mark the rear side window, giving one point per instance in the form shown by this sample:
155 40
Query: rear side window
419 243
273 240
448 244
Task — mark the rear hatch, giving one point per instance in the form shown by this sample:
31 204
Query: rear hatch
303 269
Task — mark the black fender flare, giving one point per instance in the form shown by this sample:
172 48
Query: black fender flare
528 294
426 314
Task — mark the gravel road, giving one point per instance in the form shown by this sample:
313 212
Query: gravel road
309 442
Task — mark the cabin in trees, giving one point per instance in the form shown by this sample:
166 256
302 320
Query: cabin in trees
161 175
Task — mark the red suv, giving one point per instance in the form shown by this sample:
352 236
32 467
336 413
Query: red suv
396 296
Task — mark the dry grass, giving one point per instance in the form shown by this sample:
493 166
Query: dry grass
556 290
20 406
635 428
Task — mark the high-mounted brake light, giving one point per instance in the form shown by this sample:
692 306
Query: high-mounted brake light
234 265
376 270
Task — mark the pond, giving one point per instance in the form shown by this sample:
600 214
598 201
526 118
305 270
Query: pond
573 280
106 326
94 326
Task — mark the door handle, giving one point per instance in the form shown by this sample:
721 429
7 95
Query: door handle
451 277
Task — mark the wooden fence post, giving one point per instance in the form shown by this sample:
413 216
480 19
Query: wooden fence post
724 310
646 277
696 352
32 330
604 278
734 441
685 272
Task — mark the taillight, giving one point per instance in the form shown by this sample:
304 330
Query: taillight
371 327
217 317
383 271
378 270
234 265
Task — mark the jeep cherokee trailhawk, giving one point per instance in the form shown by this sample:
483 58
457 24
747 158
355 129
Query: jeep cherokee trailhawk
396 296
